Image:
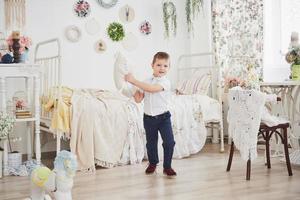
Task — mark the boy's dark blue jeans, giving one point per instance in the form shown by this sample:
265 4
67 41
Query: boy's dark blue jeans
152 125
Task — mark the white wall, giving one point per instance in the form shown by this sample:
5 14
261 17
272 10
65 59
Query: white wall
82 67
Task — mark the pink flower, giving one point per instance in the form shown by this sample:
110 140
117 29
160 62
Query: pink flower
24 41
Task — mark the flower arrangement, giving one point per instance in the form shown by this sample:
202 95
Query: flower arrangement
248 79
24 41
116 31
6 125
231 82
20 104
293 55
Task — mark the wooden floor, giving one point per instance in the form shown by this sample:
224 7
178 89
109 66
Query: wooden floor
202 176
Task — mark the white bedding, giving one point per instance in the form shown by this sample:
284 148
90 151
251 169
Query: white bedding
107 128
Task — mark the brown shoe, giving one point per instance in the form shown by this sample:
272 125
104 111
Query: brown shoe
170 172
150 169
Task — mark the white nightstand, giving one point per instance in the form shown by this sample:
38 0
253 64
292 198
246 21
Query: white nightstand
26 71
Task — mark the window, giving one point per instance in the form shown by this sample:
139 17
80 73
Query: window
281 17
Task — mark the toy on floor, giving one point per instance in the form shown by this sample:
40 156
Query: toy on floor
58 182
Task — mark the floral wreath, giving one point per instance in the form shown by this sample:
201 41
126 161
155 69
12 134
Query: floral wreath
107 5
115 31
145 28
82 8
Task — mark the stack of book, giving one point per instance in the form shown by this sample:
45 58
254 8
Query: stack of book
21 114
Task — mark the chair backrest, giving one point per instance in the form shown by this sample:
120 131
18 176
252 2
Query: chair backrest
244 116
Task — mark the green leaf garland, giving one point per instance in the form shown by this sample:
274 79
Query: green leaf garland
170 21
192 7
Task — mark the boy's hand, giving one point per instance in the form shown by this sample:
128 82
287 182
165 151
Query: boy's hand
130 78
138 96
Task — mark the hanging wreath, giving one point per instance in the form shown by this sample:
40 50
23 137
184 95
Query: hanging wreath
169 12
82 8
107 5
73 33
192 7
115 31
145 28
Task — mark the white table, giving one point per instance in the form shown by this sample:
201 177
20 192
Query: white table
289 91
28 72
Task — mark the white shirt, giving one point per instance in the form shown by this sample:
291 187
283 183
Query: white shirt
157 103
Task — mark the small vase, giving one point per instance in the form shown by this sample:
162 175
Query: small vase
16 50
24 57
295 72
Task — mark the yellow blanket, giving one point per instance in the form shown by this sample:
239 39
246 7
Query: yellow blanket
60 108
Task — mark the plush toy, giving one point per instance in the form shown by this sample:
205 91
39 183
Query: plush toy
7 58
294 40
121 68
58 182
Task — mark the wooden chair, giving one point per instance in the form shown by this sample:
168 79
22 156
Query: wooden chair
266 132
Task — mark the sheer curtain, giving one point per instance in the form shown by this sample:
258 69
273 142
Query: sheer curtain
281 17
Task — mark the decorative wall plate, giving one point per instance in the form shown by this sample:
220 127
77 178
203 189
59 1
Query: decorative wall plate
92 26
100 46
145 28
73 33
107 3
82 8
126 14
130 42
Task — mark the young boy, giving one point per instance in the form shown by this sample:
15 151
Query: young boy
156 95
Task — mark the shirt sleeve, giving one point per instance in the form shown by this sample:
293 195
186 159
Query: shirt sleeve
166 84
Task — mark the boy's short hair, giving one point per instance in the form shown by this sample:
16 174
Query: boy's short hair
160 55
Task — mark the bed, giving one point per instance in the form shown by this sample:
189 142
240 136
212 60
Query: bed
105 128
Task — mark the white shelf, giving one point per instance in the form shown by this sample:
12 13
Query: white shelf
26 119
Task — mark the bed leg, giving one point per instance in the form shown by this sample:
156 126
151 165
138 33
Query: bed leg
58 135
221 137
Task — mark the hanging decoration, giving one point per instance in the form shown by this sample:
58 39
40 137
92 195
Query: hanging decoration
145 28
192 8
109 4
169 14
126 14
100 46
73 33
92 26
15 16
115 31
82 8
130 42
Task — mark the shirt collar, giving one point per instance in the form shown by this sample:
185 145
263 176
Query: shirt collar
158 78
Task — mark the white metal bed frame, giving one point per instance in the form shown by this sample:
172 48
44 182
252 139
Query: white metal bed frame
215 86
51 77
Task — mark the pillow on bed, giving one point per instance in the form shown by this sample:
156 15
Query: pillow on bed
120 70
198 84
